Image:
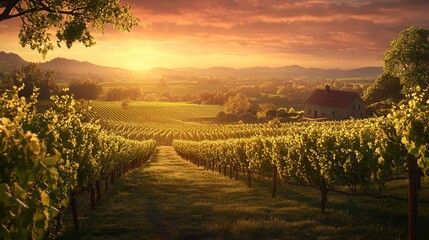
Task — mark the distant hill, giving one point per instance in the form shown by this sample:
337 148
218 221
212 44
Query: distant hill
11 61
68 69
73 66
293 71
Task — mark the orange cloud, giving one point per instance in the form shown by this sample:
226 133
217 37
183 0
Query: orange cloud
244 33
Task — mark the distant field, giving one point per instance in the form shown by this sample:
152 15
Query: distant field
174 88
357 79
153 112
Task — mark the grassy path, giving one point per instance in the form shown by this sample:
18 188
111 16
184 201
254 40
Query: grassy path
170 198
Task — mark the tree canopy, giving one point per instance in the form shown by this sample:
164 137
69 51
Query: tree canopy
237 104
73 20
386 87
406 66
408 58
85 89
121 93
33 77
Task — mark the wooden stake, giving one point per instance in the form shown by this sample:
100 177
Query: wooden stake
92 194
413 175
249 178
324 195
73 203
98 188
107 183
274 181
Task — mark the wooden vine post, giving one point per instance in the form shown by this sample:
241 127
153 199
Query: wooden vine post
274 181
324 195
98 188
249 177
73 203
107 184
113 177
413 177
92 197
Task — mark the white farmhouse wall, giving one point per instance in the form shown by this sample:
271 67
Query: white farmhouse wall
356 110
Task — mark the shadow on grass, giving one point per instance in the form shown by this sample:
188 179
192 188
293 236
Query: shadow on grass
170 198
359 210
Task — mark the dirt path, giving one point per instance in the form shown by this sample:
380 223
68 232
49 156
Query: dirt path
166 199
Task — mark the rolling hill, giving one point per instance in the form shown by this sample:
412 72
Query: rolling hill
293 71
69 68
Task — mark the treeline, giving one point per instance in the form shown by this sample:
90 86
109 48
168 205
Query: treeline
49 157
281 92
31 77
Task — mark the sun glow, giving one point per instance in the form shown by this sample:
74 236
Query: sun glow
328 34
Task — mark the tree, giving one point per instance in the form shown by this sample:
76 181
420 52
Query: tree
31 76
237 104
264 109
73 20
408 58
386 87
85 89
121 93
3 77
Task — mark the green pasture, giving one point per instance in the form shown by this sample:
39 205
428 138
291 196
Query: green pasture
153 112
174 88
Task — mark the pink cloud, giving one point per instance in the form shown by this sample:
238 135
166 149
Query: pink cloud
311 28
326 26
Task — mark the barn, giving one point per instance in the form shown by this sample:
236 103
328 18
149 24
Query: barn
334 104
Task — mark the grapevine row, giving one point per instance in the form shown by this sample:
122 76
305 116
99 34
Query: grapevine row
166 133
324 155
49 157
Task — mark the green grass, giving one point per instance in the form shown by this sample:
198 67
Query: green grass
356 79
153 112
170 198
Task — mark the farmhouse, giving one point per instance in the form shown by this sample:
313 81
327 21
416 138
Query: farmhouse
334 104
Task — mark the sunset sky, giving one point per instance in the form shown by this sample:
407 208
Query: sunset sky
244 33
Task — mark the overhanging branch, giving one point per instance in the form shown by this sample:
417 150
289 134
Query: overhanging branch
8 9
6 14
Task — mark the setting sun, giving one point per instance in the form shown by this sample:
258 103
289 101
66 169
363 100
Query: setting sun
328 34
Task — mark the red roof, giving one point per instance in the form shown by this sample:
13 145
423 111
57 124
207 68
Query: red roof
331 98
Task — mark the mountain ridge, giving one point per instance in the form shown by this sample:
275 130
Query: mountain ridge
12 61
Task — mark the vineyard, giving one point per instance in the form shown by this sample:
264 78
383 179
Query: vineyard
49 158
53 153
152 112
164 122
361 156
346 154
208 121
170 198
